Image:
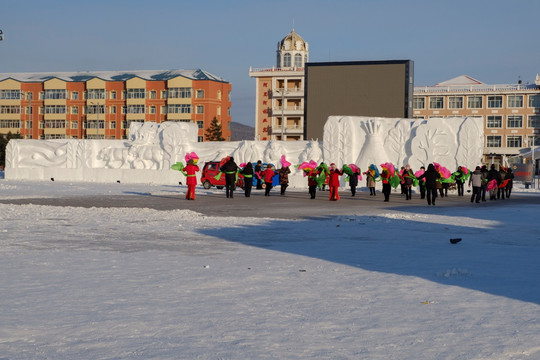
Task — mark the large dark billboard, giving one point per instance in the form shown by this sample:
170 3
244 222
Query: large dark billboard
359 88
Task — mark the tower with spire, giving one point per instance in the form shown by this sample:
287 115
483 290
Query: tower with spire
279 92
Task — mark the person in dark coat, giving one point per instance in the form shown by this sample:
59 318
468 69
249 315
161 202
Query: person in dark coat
229 168
258 175
501 189
484 171
422 185
353 182
407 181
248 178
459 176
510 177
284 178
386 187
493 174
431 177
312 182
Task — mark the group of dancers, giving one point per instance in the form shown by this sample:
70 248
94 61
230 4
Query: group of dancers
432 182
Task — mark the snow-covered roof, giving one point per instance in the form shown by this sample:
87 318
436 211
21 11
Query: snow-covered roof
196 74
467 83
460 80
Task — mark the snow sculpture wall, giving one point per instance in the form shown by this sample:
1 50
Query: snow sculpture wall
367 140
146 157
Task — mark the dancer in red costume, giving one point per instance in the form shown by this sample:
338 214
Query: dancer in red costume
333 182
191 179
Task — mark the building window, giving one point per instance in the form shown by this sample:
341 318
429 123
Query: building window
55 109
419 103
113 109
10 124
180 93
179 109
10 109
200 109
200 124
29 95
200 94
287 60
494 102
94 94
112 124
436 102
74 125
29 124
533 140
29 110
74 95
95 124
95 109
493 141
455 102
534 101
533 121
152 109
75 110
10 94
474 102
218 110
298 60
135 109
55 94
515 101
153 94
219 94
113 95
164 94
513 141
494 121
163 110
55 124
514 121
136 94
200 138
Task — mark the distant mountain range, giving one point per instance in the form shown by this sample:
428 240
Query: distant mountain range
241 132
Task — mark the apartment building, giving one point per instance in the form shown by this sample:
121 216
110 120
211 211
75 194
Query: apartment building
279 92
100 105
510 112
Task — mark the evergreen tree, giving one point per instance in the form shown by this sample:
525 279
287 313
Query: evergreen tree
214 133
3 143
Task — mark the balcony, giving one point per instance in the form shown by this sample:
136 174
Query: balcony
288 130
292 92
288 110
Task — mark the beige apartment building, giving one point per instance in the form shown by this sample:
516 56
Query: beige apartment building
279 98
510 112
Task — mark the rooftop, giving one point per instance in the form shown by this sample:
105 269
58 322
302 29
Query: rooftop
162 75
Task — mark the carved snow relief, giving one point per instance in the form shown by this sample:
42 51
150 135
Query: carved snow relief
152 148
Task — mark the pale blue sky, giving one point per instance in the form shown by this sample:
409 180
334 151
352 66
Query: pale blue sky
494 41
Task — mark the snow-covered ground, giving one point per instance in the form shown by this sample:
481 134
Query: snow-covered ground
124 283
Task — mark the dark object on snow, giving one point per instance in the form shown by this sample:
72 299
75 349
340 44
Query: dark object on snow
118 181
468 191
52 179
455 241
179 183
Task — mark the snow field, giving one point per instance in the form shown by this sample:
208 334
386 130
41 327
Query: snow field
123 283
